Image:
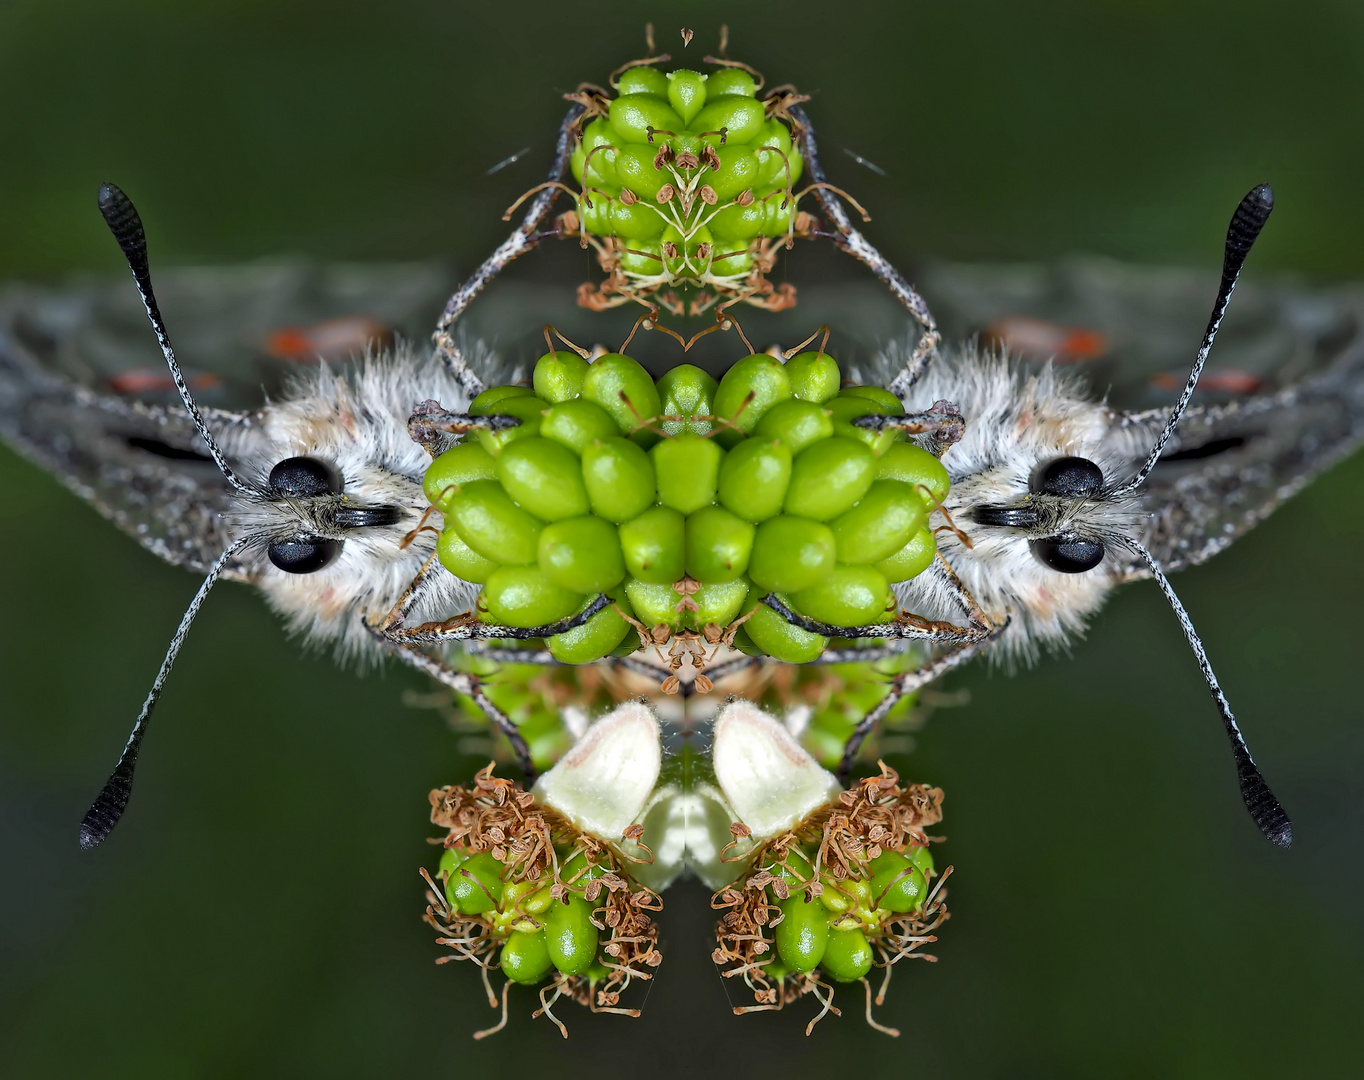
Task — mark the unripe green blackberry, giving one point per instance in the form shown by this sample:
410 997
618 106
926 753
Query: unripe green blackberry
760 483
679 173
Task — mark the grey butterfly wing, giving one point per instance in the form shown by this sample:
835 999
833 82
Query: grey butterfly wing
1132 331
83 391
1282 397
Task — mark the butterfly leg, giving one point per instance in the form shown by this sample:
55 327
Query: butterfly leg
855 244
468 685
906 628
901 686
525 237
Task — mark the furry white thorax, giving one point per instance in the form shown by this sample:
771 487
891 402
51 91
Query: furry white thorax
1016 421
357 422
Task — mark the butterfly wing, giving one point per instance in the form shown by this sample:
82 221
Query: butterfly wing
84 392
1281 400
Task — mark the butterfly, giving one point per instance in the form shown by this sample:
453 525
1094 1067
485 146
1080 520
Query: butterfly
314 496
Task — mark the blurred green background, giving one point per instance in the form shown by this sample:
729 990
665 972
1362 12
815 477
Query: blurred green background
1114 913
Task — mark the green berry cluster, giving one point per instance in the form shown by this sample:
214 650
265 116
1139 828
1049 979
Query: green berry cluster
686 173
831 931
686 501
539 933
521 888
848 889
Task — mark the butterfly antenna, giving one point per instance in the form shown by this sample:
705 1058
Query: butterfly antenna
123 221
1268 814
112 800
1246 223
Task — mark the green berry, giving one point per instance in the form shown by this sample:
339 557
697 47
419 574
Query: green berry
526 408
462 560
642 259
570 937
624 389
773 165
577 871
600 167
654 604
559 376
597 211
738 224
777 637
779 212
796 423
843 410
883 399
847 596
633 115
791 553
748 390
495 527
739 171
642 79
522 596
686 391
597 637
912 559
814 375
450 859
525 957
458 465
829 477
545 477
686 93
635 169
638 222
847 956
731 81
896 884
741 118
796 868
720 602
619 478
914 465
576 423
922 859
654 545
581 554
687 471
754 478
483 404
803 933
718 545
475 886
881 523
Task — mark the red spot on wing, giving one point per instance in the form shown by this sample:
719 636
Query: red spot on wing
1221 381
334 339
1037 339
156 380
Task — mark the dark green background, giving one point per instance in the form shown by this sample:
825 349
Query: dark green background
1115 914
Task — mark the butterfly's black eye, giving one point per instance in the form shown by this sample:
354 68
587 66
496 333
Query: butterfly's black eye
302 478
303 554
1068 555
1076 477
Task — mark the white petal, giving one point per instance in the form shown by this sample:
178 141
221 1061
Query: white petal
602 784
769 779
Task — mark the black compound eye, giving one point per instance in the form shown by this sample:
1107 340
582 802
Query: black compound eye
1076 477
303 554
1068 555
304 477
